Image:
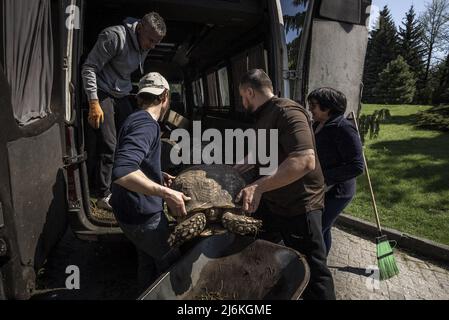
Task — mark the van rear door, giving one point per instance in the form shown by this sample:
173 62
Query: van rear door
32 188
332 48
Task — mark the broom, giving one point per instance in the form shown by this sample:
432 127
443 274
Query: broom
385 258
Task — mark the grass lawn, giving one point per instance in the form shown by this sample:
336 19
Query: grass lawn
409 170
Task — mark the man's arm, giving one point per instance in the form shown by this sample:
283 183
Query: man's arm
242 168
296 139
105 49
137 182
130 152
296 166
292 169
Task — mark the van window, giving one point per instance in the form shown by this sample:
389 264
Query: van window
198 93
2 41
255 57
224 87
294 12
239 67
201 92
212 90
28 57
195 94
177 99
177 88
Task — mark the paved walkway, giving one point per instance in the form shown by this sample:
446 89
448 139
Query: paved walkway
351 256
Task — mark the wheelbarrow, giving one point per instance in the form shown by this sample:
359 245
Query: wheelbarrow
232 267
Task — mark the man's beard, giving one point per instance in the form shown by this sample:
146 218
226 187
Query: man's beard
250 108
163 114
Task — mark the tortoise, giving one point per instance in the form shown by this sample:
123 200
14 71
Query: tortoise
212 208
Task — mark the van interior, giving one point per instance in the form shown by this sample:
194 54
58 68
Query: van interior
208 46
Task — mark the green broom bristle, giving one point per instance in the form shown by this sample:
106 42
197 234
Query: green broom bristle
385 259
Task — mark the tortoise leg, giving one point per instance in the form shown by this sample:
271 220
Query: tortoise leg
240 224
187 229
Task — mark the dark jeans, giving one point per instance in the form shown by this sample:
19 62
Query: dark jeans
154 254
333 207
302 233
115 113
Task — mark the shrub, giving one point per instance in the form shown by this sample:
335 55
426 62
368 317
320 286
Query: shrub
436 118
397 84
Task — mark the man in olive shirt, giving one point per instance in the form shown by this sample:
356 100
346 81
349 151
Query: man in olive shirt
290 201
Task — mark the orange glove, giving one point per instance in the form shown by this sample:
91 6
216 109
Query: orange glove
96 115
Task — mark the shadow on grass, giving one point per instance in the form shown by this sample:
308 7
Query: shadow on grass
433 174
401 120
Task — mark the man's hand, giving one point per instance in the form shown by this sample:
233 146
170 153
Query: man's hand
96 115
251 196
176 202
168 179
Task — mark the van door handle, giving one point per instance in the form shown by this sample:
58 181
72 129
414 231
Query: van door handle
71 161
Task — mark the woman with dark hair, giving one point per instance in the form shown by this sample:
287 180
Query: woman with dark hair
339 151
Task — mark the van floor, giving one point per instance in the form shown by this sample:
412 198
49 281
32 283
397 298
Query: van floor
107 217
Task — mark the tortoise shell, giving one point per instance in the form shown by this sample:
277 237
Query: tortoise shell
209 186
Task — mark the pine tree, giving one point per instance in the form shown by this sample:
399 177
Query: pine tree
295 23
396 83
441 93
382 49
412 49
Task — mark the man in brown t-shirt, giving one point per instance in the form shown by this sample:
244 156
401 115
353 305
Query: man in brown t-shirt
290 201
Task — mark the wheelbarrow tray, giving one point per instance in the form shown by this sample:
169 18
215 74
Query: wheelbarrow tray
232 267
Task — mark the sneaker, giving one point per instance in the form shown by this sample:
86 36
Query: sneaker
103 203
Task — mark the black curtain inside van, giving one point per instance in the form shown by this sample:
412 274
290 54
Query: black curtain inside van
28 56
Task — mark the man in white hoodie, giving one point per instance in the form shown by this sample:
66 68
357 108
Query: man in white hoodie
118 52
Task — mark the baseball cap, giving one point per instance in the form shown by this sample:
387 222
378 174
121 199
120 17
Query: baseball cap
153 83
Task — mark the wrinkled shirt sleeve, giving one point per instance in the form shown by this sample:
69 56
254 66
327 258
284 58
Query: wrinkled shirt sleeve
105 49
133 147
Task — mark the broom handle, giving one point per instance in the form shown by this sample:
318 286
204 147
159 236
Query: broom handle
373 199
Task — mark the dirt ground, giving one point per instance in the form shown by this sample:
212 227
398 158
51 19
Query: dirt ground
108 271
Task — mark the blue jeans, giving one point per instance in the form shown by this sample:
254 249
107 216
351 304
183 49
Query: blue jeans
332 208
154 254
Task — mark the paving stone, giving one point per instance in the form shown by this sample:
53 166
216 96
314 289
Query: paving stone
396 295
418 279
437 269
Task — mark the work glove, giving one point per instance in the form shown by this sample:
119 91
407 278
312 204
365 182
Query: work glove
96 115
